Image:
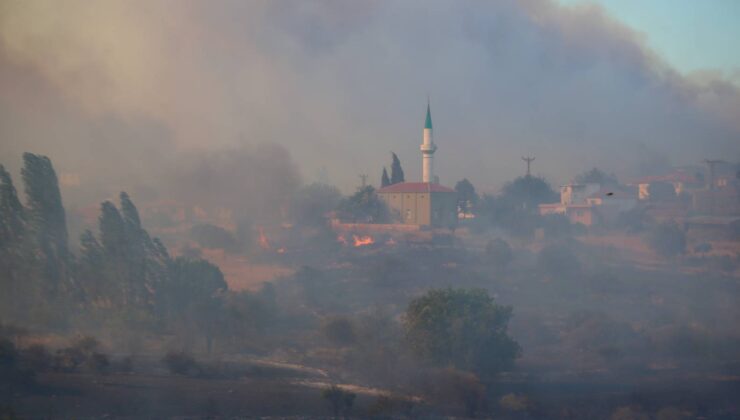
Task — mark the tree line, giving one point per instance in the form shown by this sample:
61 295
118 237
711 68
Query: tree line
118 274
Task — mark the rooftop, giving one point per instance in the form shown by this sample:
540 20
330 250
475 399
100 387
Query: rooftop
415 187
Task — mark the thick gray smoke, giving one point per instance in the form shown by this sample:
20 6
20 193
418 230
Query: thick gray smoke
129 87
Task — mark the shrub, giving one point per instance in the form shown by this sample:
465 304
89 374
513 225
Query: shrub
463 328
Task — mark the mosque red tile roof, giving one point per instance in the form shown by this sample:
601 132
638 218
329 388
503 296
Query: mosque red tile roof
415 187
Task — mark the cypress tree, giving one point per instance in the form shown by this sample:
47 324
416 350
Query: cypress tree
396 170
16 264
46 218
129 212
384 180
11 211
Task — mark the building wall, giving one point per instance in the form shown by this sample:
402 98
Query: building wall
444 209
408 208
581 214
426 209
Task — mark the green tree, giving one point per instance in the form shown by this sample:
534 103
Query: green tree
192 296
12 217
135 264
14 254
396 170
384 180
364 206
46 219
464 328
467 198
526 193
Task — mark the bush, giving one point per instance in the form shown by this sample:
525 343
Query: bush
463 328
180 363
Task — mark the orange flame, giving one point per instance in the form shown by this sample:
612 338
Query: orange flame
264 243
362 240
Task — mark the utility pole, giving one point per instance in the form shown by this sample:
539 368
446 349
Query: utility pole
529 161
363 177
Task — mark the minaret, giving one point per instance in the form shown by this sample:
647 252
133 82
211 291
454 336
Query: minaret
427 150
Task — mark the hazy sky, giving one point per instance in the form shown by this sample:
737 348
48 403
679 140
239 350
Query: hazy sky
122 93
691 35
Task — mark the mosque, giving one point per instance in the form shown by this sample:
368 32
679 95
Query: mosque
425 203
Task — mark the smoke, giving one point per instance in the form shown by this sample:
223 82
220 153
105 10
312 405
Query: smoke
117 92
254 183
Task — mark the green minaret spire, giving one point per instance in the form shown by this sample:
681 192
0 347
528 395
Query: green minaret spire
428 123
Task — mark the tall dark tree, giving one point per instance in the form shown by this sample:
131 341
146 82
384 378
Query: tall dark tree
384 180
90 268
467 198
46 219
396 170
364 206
15 257
114 245
11 210
129 212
